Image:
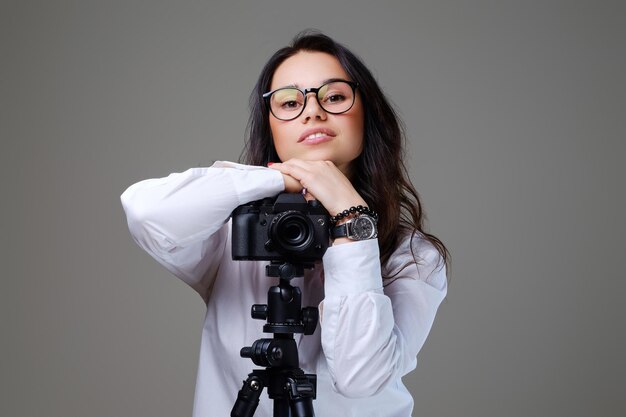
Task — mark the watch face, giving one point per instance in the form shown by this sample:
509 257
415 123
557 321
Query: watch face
363 228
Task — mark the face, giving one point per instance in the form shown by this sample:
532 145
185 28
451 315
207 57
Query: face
316 134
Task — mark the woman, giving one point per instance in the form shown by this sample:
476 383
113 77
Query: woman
319 125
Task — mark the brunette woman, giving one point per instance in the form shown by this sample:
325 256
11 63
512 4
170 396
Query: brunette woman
319 125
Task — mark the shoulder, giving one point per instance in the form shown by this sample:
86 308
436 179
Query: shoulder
416 258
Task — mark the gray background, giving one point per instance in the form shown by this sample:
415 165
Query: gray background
515 113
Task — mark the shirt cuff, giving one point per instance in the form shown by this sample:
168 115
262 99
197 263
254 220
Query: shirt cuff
352 268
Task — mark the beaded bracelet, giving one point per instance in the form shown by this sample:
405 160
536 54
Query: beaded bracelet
352 210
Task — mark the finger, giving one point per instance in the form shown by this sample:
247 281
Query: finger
309 173
292 169
292 184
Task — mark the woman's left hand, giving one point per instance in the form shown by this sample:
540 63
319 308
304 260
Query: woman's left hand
323 181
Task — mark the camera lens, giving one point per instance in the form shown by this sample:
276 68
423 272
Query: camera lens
291 232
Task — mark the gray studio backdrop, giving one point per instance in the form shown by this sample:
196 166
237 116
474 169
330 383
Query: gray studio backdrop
515 114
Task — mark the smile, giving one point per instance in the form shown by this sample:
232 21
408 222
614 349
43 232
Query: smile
317 135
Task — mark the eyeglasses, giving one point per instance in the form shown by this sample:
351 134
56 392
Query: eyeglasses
335 97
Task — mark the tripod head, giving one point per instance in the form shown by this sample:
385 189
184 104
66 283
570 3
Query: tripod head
283 309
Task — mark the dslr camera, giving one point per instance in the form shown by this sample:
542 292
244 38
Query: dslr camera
284 228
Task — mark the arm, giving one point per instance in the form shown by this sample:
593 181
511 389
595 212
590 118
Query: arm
371 336
181 220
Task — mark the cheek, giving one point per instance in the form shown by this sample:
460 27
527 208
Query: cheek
357 121
275 131
357 127
279 135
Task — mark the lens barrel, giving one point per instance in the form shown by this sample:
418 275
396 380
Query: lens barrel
292 232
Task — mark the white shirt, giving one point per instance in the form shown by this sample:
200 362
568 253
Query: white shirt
368 336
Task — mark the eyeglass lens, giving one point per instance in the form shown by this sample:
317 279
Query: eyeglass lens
335 97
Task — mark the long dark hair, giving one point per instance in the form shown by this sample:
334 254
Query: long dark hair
381 176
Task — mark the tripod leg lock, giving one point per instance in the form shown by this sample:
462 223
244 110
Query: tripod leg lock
248 397
302 391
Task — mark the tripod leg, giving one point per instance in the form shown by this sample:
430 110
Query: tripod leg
301 391
248 397
281 408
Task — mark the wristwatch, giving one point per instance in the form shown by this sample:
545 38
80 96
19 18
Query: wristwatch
361 227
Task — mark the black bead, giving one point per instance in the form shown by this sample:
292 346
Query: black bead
358 209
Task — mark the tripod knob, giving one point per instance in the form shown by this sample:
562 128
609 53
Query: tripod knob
282 353
259 311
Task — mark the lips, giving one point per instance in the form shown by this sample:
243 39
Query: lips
316 133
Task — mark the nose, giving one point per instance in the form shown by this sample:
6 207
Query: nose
313 110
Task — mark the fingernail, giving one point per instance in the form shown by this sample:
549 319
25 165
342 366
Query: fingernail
269 164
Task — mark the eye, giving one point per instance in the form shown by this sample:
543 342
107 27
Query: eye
335 98
287 99
289 105
335 93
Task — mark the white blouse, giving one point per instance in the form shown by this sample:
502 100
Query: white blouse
369 334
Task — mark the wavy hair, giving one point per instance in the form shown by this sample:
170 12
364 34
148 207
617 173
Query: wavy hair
381 176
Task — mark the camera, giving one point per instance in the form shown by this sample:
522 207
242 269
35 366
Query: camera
284 228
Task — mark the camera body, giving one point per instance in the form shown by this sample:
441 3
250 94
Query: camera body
285 228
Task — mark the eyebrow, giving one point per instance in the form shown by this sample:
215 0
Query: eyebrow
326 81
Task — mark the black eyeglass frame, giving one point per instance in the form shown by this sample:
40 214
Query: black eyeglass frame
306 92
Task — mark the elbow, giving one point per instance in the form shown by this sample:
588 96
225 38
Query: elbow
137 214
142 218
361 384
360 374
365 376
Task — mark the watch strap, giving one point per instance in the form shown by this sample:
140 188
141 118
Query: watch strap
339 231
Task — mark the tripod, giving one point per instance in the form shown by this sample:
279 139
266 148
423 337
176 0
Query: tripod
291 389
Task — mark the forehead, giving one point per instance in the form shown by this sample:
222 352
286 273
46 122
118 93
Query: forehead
307 69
